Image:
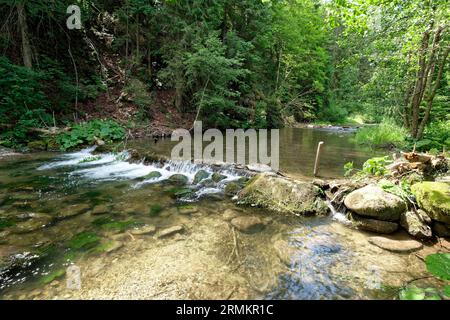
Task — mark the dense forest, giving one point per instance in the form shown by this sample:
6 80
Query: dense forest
151 66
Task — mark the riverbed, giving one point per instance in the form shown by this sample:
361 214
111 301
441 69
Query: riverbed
133 234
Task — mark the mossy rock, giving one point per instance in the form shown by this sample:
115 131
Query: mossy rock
217 177
200 175
38 145
178 192
434 199
232 188
84 240
178 179
153 175
280 194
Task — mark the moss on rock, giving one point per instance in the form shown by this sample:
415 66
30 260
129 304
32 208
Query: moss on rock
434 198
283 195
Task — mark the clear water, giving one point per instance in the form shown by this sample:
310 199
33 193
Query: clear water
320 258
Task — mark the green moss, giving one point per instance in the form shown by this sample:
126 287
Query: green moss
52 276
84 240
178 192
153 175
155 210
434 198
6 223
217 177
108 223
200 175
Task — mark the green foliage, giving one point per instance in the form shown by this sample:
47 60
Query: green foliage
402 190
348 167
414 293
89 132
438 264
376 166
436 136
385 134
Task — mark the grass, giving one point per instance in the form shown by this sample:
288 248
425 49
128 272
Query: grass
386 134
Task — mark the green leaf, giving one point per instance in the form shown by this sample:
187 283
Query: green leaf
446 291
438 264
412 293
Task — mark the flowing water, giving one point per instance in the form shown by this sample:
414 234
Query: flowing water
86 210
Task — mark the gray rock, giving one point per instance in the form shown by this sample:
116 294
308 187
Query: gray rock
441 229
372 201
248 224
400 246
169 231
372 225
414 225
145 230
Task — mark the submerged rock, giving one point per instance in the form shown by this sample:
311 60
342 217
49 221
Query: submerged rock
187 210
415 225
283 195
100 209
200 175
169 231
73 210
38 222
248 224
434 199
284 251
145 230
372 201
230 214
378 226
400 246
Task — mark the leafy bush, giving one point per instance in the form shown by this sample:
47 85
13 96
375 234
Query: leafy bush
436 136
385 134
89 132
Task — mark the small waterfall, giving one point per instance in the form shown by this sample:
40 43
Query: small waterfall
112 167
338 216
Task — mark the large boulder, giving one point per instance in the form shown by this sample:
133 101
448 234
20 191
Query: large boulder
372 225
372 201
434 198
277 193
415 224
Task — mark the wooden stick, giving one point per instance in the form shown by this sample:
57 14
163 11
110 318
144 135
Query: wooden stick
316 164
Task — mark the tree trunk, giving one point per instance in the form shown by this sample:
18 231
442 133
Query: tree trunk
433 94
26 47
416 98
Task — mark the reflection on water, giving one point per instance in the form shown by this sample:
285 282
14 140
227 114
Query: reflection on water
95 210
298 151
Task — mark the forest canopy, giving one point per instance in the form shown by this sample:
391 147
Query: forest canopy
229 63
